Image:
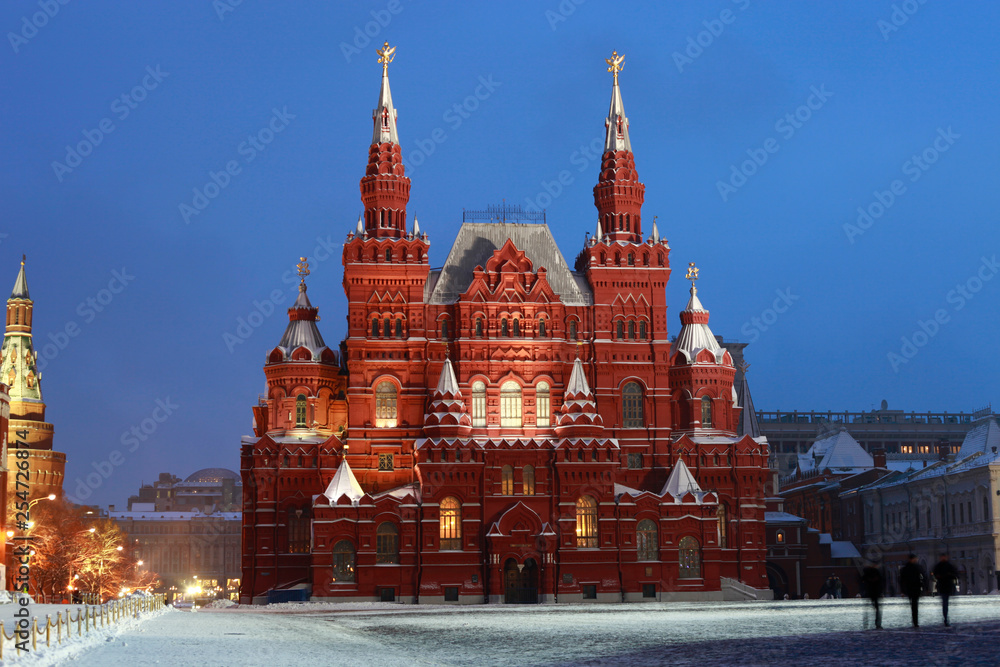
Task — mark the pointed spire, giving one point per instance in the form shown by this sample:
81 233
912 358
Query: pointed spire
21 284
416 227
681 482
655 236
344 483
578 416
447 383
616 138
748 415
447 414
302 317
384 115
578 385
600 234
695 335
361 225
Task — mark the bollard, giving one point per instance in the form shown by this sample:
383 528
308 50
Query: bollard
34 634
48 624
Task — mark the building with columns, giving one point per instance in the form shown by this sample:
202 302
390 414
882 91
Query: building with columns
19 370
507 427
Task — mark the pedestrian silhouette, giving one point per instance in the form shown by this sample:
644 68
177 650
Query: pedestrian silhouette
911 581
946 577
871 584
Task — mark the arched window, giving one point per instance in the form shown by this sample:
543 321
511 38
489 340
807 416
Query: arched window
541 328
632 405
689 558
479 327
479 403
451 524
720 515
375 328
586 522
647 540
298 531
507 480
444 328
387 543
388 254
781 537
503 327
630 259
300 411
385 405
706 412
631 330
572 329
517 327
642 331
399 328
620 329
343 561
387 327
543 405
510 405
528 480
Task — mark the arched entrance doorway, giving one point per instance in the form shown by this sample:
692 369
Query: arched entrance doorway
777 580
520 582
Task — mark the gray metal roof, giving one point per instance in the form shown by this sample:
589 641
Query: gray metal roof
475 244
748 415
303 333
20 285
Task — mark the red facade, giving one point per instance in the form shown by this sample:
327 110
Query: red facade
504 428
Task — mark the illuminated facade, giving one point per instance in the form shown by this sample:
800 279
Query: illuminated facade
507 427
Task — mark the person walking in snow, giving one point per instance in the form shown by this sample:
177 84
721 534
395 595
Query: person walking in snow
911 581
838 588
871 583
946 577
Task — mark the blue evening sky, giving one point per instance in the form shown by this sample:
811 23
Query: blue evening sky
883 89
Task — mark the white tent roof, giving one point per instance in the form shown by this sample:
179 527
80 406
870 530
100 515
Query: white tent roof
681 482
344 483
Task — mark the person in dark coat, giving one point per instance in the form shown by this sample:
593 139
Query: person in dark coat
871 584
911 581
946 577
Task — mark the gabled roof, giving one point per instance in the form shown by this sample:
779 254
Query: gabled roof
475 244
681 482
838 452
983 437
344 483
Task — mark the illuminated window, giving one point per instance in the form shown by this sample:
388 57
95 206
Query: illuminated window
544 407
720 516
385 405
632 405
646 540
298 531
387 543
300 411
507 480
343 561
528 480
385 462
479 403
781 537
510 405
586 522
706 412
689 558
451 524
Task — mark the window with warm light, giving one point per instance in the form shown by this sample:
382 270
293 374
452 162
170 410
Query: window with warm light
343 562
510 405
479 403
300 411
298 531
451 524
385 405
780 538
387 543
586 522
507 480
689 557
543 406
528 480
646 540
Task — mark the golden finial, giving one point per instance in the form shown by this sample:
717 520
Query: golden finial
385 56
303 270
744 367
692 275
615 64
23 257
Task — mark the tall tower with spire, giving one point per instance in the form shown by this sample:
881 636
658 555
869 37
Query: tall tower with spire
19 371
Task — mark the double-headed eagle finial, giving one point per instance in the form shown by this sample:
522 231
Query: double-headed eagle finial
615 64
385 56
692 275
303 270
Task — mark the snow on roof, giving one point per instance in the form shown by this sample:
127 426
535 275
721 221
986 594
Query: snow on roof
843 549
681 482
578 380
983 437
838 452
344 483
782 517
142 515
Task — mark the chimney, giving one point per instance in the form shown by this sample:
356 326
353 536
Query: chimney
878 458
944 450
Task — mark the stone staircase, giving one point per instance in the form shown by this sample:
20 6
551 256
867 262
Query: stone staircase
735 591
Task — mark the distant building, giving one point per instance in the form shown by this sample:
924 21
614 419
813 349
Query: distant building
19 370
918 438
949 506
186 549
208 490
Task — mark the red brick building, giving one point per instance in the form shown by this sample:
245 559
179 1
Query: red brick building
506 427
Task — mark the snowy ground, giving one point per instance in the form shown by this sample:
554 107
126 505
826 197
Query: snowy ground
800 632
